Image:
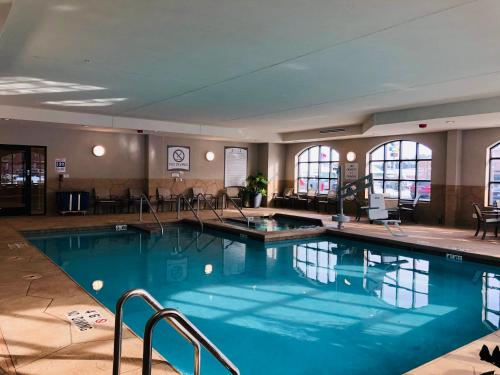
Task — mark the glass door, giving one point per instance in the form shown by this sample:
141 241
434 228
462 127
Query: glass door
22 180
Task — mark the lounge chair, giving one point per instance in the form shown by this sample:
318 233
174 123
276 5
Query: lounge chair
378 213
485 218
283 199
103 198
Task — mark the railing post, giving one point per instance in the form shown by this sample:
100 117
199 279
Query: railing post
178 207
140 210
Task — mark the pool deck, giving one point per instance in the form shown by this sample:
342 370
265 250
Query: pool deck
35 296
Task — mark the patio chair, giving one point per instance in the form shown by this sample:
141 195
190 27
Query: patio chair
409 209
103 198
194 198
327 201
307 200
164 196
485 218
285 198
234 193
134 198
378 213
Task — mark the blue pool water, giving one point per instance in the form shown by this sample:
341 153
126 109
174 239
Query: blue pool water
315 306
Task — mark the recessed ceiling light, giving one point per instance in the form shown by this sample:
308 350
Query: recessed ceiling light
31 85
104 102
450 122
85 126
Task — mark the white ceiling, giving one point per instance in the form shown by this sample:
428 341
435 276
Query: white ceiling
258 67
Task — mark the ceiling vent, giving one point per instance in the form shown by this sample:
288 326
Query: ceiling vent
333 130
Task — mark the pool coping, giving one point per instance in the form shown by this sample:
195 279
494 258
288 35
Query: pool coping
447 361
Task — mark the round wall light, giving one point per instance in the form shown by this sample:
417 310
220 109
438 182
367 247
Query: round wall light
210 156
98 150
97 285
351 156
208 269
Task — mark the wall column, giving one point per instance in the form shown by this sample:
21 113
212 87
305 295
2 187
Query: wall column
453 176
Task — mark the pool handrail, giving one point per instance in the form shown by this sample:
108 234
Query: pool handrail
178 317
143 196
156 306
209 205
226 195
182 197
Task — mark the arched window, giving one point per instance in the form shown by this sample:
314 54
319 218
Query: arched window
317 169
401 169
494 174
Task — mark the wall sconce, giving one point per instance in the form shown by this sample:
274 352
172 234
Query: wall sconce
351 156
210 156
98 150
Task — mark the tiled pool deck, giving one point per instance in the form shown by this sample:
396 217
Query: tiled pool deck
37 338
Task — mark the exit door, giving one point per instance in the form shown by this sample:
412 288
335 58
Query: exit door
23 173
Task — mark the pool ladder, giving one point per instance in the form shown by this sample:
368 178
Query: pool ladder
178 321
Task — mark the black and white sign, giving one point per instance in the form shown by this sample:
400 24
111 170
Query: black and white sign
61 165
178 158
86 320
235 166
351 171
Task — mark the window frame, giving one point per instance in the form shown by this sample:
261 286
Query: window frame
331 162
490 181
400 160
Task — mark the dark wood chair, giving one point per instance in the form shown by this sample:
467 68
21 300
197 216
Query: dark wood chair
485 219
329 201
284 199
308 200
104 200
165 197
134 199
409 209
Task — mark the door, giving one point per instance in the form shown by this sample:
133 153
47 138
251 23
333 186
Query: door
22 180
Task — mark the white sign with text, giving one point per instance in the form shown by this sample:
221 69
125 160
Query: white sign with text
178 158
351 171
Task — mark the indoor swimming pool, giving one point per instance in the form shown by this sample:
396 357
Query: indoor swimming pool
321 305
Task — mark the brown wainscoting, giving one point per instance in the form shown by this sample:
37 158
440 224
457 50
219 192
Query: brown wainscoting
118 187
209 186
467 196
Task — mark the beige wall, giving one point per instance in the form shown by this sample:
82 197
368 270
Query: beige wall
432 212
203 174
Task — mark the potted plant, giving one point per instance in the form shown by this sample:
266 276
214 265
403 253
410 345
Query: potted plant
254 191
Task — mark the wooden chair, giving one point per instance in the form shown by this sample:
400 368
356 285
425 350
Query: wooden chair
485 218
164 196
282 199
103 198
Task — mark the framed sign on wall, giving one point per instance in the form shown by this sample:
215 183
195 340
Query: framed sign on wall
178 158
235 166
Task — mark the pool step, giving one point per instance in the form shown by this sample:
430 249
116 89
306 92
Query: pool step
151 228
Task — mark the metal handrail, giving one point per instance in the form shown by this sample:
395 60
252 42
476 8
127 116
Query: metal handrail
117 350
177 316
143 196
181 196
209 205
225 195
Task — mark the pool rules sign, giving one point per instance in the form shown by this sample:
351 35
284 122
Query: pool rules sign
178 158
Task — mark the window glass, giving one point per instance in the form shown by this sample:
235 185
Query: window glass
378 187
403 169
317 168
408 150
424 170
494 174
392 170
424 152
408 170
495 151
392 150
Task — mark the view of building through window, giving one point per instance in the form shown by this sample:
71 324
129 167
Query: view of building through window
317 169
494 174
402 170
